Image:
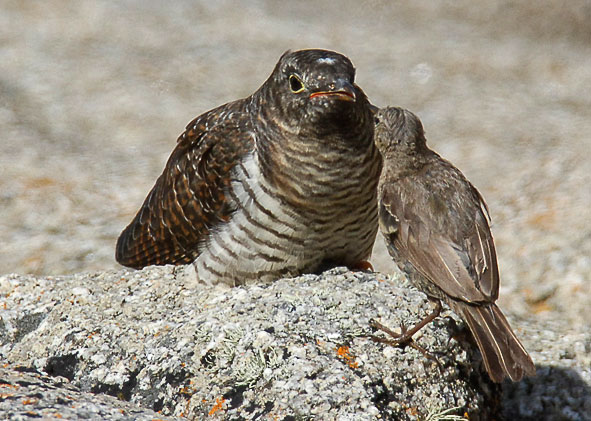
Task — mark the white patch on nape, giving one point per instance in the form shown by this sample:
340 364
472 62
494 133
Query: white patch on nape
325 60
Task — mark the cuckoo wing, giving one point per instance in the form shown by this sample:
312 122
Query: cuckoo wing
189 199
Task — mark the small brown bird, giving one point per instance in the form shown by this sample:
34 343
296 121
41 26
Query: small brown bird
280 183
436 227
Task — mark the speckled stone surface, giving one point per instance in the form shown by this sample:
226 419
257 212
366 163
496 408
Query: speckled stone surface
561 390
26 394
297 347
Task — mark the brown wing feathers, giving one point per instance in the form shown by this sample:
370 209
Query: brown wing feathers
188 198
502 352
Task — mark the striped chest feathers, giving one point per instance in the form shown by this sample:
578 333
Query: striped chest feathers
268 238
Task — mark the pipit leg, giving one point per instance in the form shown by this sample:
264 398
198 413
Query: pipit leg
396 342
407 334
405 338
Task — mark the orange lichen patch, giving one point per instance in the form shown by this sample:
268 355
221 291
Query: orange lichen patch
342 351
186 391
30 401
219 402
343 354
412 411
12 386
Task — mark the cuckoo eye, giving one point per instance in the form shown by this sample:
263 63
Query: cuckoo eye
295 84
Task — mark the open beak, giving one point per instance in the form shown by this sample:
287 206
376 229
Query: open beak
342 90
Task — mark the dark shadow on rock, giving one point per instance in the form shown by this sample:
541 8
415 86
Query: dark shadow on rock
27 324
555 393
62 365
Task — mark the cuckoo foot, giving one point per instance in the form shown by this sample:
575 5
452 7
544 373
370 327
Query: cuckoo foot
362 265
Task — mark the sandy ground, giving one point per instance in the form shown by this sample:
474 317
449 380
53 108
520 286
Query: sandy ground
94 93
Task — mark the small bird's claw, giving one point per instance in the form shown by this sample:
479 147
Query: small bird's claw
400 340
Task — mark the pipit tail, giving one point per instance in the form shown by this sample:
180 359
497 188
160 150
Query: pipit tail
502 352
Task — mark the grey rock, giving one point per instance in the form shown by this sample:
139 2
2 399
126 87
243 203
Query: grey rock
294 348
561 389
26 394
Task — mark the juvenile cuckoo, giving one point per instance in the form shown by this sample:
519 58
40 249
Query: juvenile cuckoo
277 184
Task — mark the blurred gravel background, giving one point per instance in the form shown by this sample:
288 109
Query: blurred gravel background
93 95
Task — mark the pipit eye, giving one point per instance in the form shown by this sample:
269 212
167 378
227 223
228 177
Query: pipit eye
295 84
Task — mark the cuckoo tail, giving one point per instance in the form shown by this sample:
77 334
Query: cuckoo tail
502 353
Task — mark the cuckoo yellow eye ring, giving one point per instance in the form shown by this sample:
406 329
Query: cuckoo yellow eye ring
295 84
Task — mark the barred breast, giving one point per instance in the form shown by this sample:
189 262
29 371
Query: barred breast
319 214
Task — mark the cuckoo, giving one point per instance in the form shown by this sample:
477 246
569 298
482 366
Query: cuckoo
277 184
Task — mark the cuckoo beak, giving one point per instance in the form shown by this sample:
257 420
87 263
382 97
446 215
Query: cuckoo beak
341 89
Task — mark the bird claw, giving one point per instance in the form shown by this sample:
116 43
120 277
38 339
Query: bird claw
405 338
425 353
362 266
400 340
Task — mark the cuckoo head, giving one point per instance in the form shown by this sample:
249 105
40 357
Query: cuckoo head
313 92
